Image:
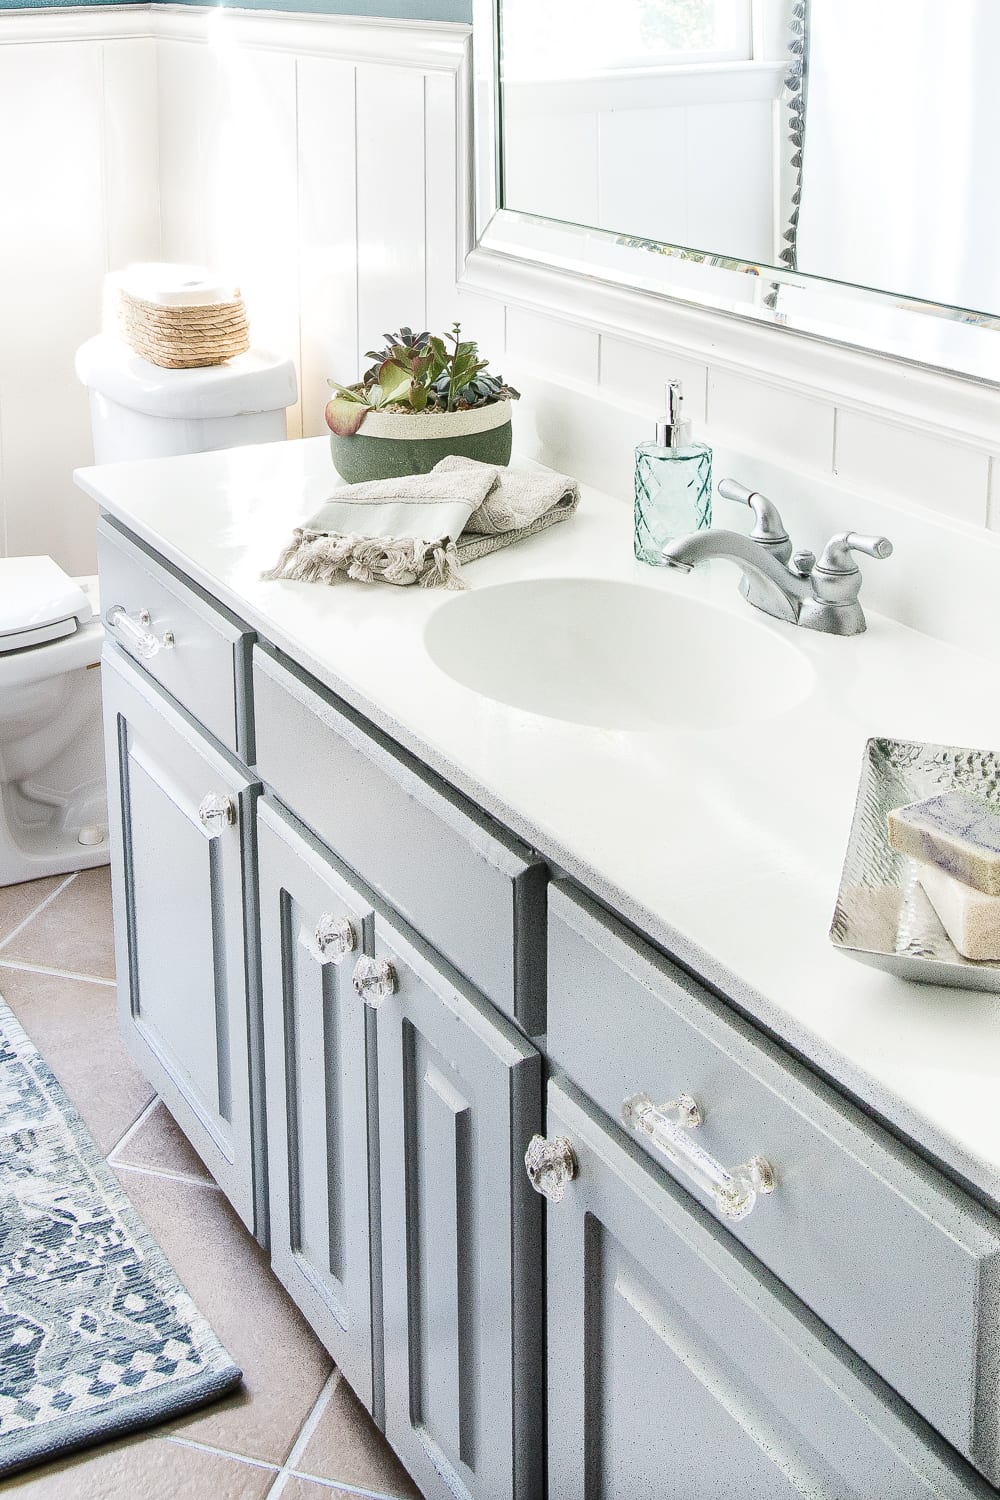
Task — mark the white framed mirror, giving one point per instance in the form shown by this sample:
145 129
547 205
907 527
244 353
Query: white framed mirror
822 166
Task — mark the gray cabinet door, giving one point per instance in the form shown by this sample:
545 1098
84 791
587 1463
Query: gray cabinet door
459 1097
178 879
313 923
680 1370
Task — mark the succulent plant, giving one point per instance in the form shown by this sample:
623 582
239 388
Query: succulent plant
417 372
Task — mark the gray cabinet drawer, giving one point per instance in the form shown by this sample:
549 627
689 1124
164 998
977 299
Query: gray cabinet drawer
891 1255
679 1369
207 667
475 893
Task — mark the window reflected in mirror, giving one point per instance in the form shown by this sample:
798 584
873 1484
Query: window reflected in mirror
846 139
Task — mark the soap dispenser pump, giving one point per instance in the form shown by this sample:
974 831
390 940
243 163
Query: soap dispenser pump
673 483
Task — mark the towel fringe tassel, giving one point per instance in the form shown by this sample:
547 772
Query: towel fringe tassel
319 557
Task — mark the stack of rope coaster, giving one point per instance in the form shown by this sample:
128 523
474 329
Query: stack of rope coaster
183 337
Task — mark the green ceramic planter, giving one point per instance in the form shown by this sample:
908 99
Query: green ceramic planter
391 444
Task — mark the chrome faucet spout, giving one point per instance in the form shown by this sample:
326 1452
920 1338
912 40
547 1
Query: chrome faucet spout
794 587
767 583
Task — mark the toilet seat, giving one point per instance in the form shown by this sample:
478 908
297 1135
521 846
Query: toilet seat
38 603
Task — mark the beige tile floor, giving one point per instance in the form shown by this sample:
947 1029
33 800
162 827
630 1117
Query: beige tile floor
295 1430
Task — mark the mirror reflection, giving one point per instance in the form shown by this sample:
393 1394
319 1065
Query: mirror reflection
846 139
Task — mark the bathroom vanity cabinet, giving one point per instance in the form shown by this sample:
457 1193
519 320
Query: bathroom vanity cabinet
362 997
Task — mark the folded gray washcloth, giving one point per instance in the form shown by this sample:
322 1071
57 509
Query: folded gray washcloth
420 529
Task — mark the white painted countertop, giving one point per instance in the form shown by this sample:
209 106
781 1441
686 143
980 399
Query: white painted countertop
724 845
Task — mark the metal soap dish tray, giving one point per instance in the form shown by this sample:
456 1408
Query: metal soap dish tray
882 916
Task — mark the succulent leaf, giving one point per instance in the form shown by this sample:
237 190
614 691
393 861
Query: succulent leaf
344 416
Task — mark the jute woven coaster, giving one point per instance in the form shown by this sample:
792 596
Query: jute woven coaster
184 338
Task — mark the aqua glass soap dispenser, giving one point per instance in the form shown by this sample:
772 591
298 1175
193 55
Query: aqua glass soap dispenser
673 483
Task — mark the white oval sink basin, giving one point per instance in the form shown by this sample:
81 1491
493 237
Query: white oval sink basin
616 655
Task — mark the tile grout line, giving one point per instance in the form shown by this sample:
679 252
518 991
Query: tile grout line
39 908
136 1125
192 1181
339 1485
15 963
285 1471
239 1458
306 1431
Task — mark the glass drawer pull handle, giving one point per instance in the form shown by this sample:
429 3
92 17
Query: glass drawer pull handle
333 939
669 1127
136 634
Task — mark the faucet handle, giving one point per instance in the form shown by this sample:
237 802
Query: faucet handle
836 578
837 554
769 529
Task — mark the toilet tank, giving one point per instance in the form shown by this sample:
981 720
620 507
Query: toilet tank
138 410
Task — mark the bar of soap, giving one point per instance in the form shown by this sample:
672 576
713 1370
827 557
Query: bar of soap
970 918
958 833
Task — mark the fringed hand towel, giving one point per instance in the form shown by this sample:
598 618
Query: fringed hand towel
422 528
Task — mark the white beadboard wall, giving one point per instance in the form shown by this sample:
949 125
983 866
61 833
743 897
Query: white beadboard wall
228 139
323 160
77 196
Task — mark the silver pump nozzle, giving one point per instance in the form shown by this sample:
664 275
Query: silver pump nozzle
673 430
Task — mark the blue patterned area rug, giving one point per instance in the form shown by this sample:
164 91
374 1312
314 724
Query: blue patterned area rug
97 1335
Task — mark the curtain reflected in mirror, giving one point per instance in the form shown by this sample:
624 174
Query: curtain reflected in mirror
852 140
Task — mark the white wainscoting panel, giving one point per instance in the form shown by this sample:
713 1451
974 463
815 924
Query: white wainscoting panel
188 126
229 176
561 347
317 160
392 254
638 372
131 151
328 232
754 415
442 101
53 254
925 470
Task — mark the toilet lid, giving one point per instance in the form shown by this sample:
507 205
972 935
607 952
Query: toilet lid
38 602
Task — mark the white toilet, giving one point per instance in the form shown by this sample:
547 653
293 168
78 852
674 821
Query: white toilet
53 804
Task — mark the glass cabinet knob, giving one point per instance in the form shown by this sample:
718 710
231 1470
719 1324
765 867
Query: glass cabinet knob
550 1165
334 938
374 979
215 812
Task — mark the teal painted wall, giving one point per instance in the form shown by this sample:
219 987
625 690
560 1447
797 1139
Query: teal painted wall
58 4
397 10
